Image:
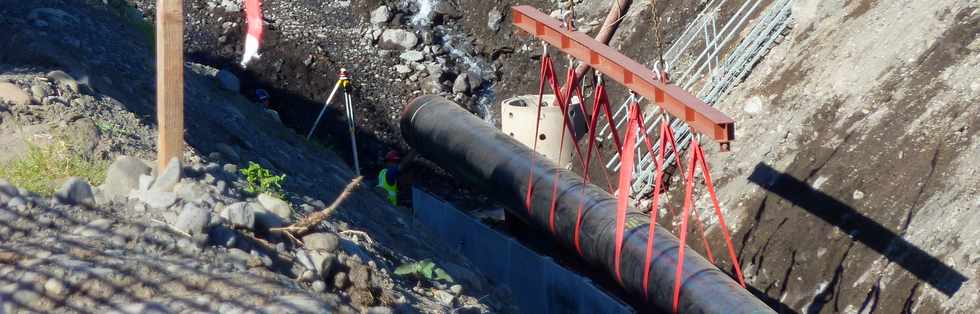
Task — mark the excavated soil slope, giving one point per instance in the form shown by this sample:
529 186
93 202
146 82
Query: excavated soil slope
853 182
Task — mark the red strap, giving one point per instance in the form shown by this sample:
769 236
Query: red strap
688 202
570 82
545 64
625 174
599 99
666 136
721 218
612 128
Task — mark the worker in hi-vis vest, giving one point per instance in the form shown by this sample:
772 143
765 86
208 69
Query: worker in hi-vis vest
388 177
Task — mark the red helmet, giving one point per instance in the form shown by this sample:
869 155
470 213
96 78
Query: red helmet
392 156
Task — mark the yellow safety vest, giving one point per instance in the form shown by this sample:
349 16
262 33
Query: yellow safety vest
392 189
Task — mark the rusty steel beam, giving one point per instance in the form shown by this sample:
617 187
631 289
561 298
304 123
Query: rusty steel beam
674 100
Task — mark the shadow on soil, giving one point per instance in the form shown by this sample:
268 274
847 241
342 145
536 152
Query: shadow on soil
919 263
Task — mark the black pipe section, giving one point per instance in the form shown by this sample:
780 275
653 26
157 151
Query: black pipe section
478 154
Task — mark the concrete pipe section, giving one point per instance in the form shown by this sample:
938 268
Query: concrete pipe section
517 117
498 164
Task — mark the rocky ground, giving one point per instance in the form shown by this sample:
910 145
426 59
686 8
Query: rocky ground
857 128
189 237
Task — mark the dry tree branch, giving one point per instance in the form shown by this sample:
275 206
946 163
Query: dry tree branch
304 225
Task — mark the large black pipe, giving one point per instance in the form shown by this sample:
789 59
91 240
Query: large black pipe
480 155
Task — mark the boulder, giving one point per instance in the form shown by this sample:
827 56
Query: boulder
280 208
193 220
322 241
381 15
38 92
240 214
158 200
169 177
265 218
494 17
13 94
398 39
64 80
76 191
123 176
412 56
7 190
461 85
403 69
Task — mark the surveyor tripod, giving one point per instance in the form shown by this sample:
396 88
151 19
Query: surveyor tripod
343 80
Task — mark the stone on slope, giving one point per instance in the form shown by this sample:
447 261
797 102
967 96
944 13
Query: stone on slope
398 39
461 85
158 200
123 176
38 92
145 181
7 190
323 262
322 241
494 18
276 206
167 179
76 191
380 15
265 218
412 56
403 69
240 214
13 94
64 80
193 219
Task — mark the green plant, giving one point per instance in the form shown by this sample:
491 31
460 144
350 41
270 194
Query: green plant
43 167
424 269
107 127
261 180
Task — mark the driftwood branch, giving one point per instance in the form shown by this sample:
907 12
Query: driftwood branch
303 226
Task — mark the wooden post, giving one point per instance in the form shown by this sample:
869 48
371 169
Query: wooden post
170 80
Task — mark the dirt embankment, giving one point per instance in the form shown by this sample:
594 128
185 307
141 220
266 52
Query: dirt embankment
853 189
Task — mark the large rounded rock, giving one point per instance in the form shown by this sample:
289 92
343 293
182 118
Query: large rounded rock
193 219
64 80
380 15
241 214
279 207
13 94
398 39
167 179
123 176
326 242
76 191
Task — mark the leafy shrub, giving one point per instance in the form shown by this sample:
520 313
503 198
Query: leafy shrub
261 180
424 269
